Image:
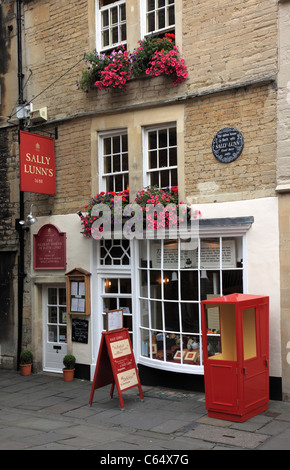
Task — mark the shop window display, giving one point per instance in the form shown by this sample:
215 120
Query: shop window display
173 281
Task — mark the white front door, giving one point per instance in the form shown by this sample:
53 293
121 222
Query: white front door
54 327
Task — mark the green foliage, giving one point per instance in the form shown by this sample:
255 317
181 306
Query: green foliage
142 56
26 357
154 56
93 72
69 361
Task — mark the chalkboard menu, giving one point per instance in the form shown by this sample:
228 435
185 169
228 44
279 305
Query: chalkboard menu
80 330
227 145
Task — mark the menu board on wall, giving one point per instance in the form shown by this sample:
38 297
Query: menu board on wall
116 364
78 291
77 297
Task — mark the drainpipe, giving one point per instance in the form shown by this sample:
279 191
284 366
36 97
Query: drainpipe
21 195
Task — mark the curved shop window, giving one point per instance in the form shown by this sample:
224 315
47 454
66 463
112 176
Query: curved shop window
174 276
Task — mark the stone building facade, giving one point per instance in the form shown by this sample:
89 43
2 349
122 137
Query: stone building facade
237 58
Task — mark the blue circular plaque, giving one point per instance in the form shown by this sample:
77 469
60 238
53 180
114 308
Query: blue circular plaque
227 145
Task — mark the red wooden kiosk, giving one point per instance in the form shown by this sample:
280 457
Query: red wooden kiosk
235 337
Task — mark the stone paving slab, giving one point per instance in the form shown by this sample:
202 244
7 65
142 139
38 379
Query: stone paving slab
42 412
228 436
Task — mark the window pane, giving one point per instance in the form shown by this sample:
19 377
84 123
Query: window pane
210 253
155 284
190 317
106 38
153 160
127 322
232 282
144 313
125 166
114 15
171 16
52 295
105 18
123 33
125 286
249 333
152 140
122 12
111 285
126 304
107 146
163 158
173 178
52 314
161 19
171 313
52 334
165 179
151 23
115 35
209 284
150 5
116 163
156 315
62 314
189 285
172 157
62 296
110 304
124 139
192 346
62 334
172 137
145 343
162 135
107 165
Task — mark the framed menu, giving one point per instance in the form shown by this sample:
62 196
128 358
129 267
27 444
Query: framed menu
114 319
78 291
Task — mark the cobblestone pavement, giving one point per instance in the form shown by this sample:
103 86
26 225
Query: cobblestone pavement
42 412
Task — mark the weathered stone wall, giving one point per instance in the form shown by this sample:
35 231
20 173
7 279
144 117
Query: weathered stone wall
252 110
221 43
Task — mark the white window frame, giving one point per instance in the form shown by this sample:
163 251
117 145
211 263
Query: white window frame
144 14
146 170
99 30
222 233
102 174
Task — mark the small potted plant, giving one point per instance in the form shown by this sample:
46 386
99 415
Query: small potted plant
25 362
69 367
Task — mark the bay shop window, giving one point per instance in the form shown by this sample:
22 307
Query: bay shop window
159 284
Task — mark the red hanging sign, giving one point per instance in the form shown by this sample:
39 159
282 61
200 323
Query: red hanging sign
116 364
37 163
